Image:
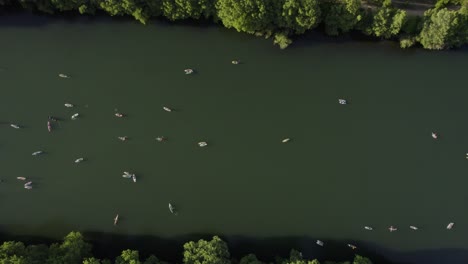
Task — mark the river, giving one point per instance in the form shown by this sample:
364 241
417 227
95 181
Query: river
371 162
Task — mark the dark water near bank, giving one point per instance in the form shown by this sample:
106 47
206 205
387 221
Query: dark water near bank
371 162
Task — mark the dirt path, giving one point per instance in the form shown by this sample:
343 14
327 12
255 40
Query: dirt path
411 7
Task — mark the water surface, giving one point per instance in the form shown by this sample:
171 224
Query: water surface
371 162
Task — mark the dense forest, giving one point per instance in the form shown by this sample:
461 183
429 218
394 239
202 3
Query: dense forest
75 250
443 25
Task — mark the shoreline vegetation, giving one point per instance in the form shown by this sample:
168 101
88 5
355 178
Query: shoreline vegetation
75 250
432 24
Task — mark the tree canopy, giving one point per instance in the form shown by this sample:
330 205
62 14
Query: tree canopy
341 15
388 21
444 28
247 15
299 16
206 252
74 249
439 28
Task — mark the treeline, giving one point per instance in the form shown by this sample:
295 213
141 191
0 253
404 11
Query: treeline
439 27
75 250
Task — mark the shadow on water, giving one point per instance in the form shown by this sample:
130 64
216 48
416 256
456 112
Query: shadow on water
24 18
107 245
319 37
17 17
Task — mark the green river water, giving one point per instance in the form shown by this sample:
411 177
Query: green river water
371 162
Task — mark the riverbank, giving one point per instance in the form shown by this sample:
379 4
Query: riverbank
433 25
74 249
269 249
106 248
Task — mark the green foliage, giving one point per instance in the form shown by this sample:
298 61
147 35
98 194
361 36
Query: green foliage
206 252
68 5
154 8
245 16
361 260
444 3
37 254
183 9
444 28
91 261
86 9
412 25
341 15
12 253
305 262
41 5
282 40
295 257
12 248
250 259
125 7
299 15
128 257
72 250
96 261
407 42
388 21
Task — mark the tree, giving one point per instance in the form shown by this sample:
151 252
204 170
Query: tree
407 42
306 262
388 21
245 15
179 9
68 5
412 25
154 7
128 257
206 252
361 260
87 9
37 254
41 5
129 7
250 259
282 40
183 9
299 15
12 252
72 250
11 248
92 261
341 15
444 3
14 260
444 28
295 255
